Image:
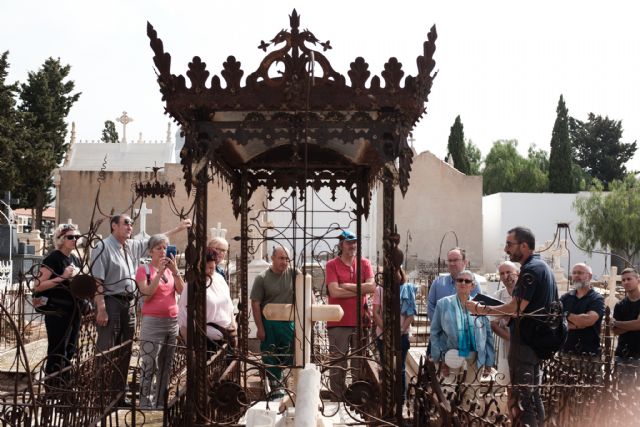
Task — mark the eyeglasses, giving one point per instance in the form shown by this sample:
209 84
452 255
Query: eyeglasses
509 244
72 237
465 281
220 250
128 221
451 261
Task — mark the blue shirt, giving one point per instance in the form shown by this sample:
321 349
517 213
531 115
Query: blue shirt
442 287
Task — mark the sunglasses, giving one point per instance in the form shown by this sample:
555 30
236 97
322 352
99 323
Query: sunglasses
465 281
72 237
128 222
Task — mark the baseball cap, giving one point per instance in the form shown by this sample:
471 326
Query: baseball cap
347 235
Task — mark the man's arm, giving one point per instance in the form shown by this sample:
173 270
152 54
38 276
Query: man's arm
257 317
184 224
336 291
432 300
623 326
499 330
508 309
581 321
367 287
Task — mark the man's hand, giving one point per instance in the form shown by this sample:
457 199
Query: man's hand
102 318
185 223
261 334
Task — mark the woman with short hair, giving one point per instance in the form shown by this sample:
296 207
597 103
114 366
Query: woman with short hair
158 282
52 296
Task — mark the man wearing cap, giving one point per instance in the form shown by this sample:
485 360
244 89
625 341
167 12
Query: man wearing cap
341 280
445 286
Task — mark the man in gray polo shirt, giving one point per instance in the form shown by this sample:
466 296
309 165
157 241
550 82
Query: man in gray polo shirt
113 264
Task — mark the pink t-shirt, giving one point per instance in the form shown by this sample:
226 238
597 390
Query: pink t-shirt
163 301
337 271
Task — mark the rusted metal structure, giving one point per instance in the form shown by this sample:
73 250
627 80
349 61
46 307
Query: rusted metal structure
302 127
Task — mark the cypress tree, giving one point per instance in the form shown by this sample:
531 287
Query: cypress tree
457 148
560 159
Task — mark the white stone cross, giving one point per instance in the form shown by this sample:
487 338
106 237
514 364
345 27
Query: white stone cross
305 314
125 120
218 231
143 211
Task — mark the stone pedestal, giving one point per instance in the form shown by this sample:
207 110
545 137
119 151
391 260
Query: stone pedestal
8 235
255 267
32 239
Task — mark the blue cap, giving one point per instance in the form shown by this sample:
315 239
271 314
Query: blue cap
347 235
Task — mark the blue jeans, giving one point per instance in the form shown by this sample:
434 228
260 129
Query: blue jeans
405 345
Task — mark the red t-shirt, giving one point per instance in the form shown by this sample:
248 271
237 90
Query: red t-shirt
163 302
338 271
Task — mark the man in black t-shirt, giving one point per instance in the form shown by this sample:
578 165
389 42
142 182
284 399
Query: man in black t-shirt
626 324
535 291
585 308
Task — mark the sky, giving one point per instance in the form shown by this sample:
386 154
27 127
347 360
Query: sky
502 65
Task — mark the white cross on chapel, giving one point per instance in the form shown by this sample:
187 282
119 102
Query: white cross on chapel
306 313
218 231
143 211
125 120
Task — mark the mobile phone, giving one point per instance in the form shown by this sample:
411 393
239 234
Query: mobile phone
171 250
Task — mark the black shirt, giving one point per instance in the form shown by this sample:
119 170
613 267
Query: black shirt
586 340
60 295
629 342
536 284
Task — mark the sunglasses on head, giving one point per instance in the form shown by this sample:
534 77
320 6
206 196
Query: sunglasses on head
466 281
72 237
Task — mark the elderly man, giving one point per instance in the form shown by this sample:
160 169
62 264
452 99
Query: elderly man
509 272
535 290
585 309
444 286
221 246
274 285
626 324
341 279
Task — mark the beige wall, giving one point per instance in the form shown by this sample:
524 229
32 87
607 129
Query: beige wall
77 194
439 199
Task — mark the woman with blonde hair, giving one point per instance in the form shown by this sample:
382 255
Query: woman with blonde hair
52 296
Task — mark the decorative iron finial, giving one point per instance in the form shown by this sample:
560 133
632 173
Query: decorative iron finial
294 20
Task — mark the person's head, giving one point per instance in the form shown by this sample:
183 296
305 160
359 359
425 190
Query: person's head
121 227
456 261
630 280
348 244
211 258
465 282
279 259
520 244
157 246
221 247
509 272
66 236
581 275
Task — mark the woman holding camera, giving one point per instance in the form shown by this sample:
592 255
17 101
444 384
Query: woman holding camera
158 283
52 296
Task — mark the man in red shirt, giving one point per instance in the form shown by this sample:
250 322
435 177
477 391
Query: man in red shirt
341 280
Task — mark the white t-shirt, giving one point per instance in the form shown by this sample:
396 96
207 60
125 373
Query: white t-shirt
219 307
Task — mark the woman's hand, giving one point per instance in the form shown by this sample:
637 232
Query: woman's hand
444 369
68 272
170 263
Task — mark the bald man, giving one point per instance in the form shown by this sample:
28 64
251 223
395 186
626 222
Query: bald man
585 309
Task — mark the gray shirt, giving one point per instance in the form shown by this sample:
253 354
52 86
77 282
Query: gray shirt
115 267
269 287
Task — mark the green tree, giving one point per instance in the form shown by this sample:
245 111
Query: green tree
505 170
109 133
46 99
475 158
598 149
560 157
457 148
611 219
9 127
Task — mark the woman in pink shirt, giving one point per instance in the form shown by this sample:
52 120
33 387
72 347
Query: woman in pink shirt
158 283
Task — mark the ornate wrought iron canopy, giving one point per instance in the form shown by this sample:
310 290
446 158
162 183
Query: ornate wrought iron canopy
291 119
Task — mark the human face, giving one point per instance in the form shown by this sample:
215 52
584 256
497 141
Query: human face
122 230
513 248
464 285
279 261
580 276
210 268
158 252
630 282
221 250
508 276
349 248
455 263
70 239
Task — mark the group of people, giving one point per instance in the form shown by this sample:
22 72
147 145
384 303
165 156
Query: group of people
461 336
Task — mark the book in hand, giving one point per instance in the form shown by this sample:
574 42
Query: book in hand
487 300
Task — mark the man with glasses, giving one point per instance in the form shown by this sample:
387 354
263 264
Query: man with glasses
113 264
221 246
444 286
341 279
534 291
585 309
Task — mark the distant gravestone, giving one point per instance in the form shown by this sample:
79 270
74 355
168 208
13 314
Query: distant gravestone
8 235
